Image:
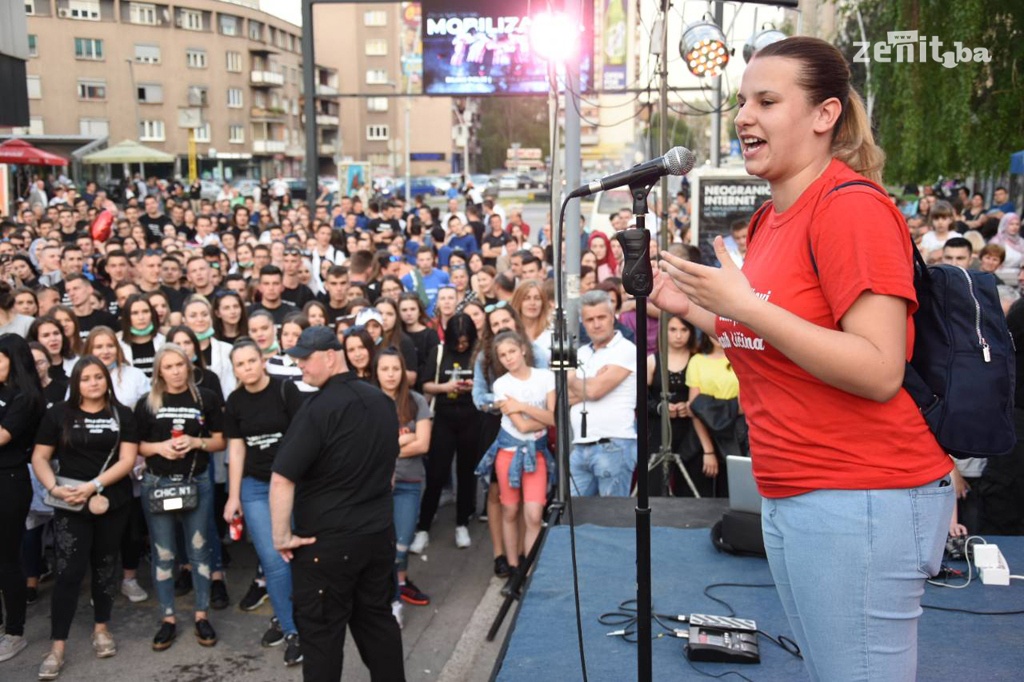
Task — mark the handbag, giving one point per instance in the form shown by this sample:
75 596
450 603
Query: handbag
98 503
177 496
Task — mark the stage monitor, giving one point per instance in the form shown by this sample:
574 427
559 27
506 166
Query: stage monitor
483 47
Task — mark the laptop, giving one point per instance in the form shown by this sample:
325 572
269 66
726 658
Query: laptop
743 495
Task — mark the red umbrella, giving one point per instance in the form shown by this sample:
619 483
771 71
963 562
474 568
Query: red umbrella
22 153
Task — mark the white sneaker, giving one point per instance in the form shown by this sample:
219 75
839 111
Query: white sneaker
396 611
419 542
11 646
462 540
130 588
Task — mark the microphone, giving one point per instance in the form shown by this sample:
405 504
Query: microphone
677 161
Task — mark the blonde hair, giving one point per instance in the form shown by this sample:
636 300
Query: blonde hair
158 388
824 74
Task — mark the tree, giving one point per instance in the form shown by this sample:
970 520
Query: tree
505 120
953 117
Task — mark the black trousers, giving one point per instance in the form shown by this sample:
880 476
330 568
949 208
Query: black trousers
133 542
15 498
455 433
343 582
84 541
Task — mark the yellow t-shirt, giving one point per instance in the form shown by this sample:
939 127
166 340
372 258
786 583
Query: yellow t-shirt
713 376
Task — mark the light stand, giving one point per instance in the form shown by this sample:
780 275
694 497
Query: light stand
638 280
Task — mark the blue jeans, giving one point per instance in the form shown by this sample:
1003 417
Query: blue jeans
604 469
407 510
850 567
255 499
195 525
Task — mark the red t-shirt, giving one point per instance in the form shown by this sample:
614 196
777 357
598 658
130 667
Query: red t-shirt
806 435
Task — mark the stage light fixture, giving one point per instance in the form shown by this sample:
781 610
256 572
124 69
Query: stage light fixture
703 48
554 37
763 38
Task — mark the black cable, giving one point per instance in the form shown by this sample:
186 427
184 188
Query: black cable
719 675
973 613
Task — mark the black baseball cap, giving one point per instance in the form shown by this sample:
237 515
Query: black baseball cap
312 340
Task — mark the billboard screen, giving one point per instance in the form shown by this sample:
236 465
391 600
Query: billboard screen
483 47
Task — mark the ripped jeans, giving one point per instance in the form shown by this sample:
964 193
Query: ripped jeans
196 527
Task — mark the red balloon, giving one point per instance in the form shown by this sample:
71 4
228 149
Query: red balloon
100 228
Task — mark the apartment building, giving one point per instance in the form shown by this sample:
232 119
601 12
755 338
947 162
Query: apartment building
123 69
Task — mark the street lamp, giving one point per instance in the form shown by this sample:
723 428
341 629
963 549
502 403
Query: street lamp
406 135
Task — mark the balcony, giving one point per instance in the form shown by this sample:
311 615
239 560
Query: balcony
327 149
268 147
267 113
327 120
266 79
326 91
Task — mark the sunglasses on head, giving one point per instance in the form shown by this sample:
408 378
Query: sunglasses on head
495 306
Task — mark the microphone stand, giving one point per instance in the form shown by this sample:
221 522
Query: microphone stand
638 280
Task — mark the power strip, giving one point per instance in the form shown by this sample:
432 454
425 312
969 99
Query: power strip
991 565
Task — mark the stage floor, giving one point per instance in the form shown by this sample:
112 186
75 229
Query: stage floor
543 644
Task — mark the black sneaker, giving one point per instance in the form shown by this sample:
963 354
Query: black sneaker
501 567
204 633
274 635
411 594
292 652
218 595
256 595
31 595
165 636
183 584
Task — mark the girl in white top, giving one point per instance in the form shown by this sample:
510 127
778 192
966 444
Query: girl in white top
198 314
527 400
129 383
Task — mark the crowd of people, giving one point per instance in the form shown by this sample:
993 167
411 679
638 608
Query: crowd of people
149 375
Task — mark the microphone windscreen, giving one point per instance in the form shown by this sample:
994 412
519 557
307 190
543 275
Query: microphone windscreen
679 161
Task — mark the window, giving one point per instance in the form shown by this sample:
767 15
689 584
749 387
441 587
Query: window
84 9
234 62
235 98
236 134
198 96
376 76
259 99
151 131
202 133
229 24
376 133
142 13
255 30
150 93
147 54
376 103
196 59
92 89
377 17
35 87
33 45
190 20
89 48
30 7
376 47
94 127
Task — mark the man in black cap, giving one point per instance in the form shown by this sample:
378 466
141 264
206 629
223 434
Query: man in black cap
334 470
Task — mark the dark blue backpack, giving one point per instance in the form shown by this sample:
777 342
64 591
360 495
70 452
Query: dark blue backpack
961 373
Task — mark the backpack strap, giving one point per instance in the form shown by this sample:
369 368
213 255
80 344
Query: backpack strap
851 183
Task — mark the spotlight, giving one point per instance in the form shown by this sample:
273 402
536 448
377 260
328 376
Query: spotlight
763 38
703 47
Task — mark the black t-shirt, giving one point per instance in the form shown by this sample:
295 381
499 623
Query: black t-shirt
195 418
425 342
143 355
261 420
454 366
300 295
340 451
93 436
381 226
154 227
97 318
478 229
56 390
495 242
20 418
278 313
175 297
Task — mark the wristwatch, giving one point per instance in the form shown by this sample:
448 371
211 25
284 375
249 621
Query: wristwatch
99 486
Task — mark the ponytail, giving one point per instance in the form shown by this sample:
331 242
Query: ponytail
853 142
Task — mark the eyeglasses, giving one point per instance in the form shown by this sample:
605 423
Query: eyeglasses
495 306
394 259
292 251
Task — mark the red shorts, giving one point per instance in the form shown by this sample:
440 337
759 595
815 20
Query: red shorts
534 486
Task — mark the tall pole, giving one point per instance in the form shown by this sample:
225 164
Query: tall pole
716 117
309 102
408 138
572 179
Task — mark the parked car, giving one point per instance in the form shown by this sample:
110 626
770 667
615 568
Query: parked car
421 184
247 186
524 181
508 181
488 184
210 189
